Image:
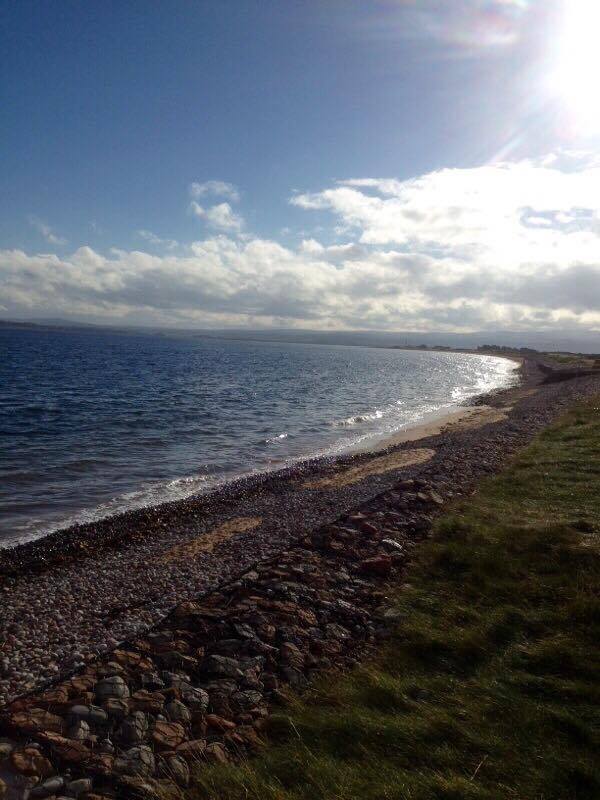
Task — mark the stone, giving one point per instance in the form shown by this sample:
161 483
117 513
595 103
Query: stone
136 761
36 720
294 677
216 753
436 498
176 768
270 681
67 750
115 708
379 565
168 735
29 761
335 631
219 723
291 655
59 696
192 750
79 786
6 748
247 699
80 730
195 699
49 787
101 764
392 544
91 714
134 728
178 712
368 528
114 686
222 666
150 702
151 680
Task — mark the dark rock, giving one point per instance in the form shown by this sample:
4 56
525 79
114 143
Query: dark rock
134 728
114 686
222 666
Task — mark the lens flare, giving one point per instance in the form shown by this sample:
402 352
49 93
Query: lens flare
575 79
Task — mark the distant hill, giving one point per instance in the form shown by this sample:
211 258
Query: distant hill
565 341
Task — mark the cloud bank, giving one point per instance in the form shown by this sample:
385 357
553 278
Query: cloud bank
512 245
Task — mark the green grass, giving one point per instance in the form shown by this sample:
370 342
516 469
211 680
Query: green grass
574 360
490 687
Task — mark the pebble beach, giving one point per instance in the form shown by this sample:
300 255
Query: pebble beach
184 621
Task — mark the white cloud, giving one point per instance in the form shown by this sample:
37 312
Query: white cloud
221 216
155 240
46 231
216 188
507 245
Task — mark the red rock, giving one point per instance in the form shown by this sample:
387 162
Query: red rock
59 696
150 702
36 720
216 753
29 761
192 750
379 565
219 723
101 764
368 528
168 735
292 655
68 750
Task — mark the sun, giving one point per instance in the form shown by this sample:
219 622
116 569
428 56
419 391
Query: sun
576 78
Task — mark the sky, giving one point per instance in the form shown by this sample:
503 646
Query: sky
324 164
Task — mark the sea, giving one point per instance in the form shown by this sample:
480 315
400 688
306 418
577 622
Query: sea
93 423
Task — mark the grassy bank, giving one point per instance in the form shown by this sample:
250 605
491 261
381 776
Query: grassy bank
490 686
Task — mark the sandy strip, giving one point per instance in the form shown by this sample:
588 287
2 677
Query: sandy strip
376 466
207 542
461 419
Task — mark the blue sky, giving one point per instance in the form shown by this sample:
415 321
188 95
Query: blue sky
208 162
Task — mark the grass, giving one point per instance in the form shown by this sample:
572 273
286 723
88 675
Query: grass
490 687
575 360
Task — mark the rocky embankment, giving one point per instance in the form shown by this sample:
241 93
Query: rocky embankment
301 589
198 687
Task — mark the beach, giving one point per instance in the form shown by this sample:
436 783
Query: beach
78 592
96 600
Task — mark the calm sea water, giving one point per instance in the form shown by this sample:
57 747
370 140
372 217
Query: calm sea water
95 423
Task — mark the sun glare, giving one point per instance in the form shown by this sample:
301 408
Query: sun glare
576 77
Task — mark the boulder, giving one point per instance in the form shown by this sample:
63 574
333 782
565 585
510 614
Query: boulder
178 712
134 728
49 787
222 666
175 767
192 750
168 735
379 565
29 761
67 750
114 686
195 699
36 720
138 761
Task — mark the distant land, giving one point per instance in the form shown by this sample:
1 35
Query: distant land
567 341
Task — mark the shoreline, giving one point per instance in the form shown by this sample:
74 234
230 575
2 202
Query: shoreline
306 555
371 443
78 593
